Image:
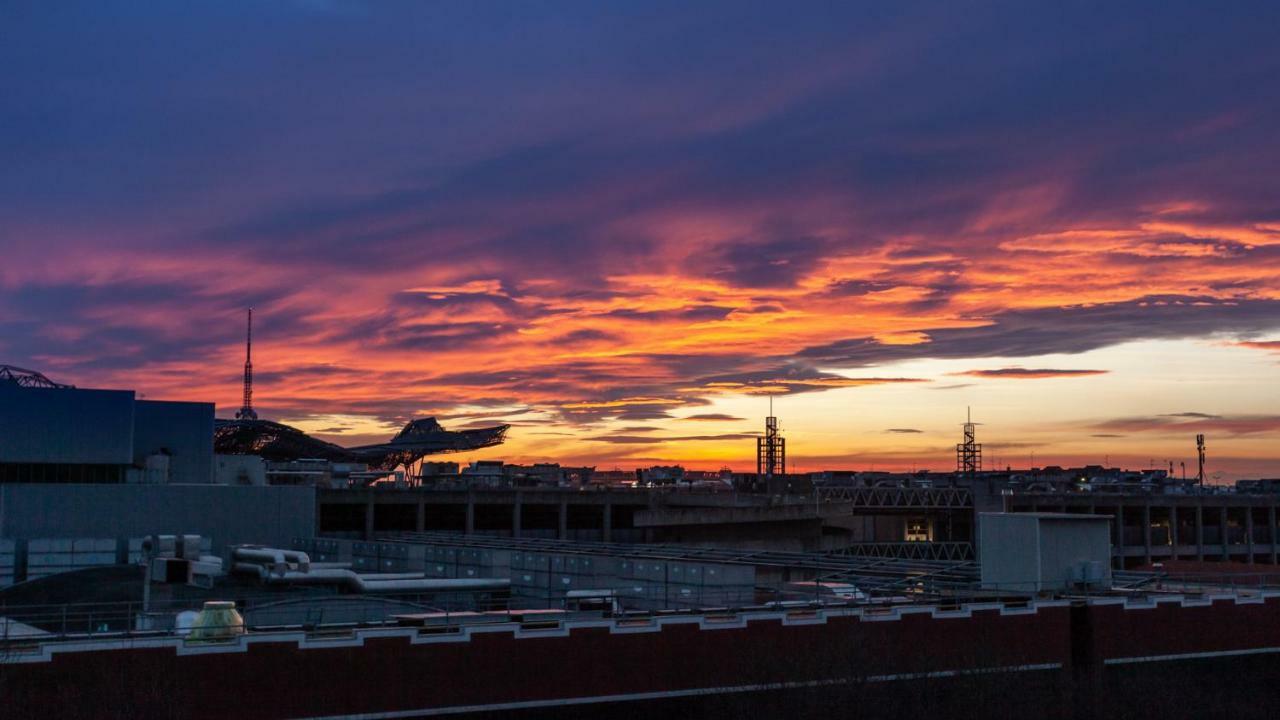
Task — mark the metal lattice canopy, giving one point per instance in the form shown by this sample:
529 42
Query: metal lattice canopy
277 442
28 378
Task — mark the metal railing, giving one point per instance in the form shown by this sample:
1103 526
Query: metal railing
896 498
910 550
341 615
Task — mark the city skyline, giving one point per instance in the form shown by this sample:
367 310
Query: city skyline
622 230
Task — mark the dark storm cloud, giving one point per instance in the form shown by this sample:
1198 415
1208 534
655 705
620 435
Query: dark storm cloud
747 263
93 328
1043 331
792 377
586 335
761 309
696 313
915 110
641 412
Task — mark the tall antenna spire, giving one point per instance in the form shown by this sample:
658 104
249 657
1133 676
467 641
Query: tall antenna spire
246 411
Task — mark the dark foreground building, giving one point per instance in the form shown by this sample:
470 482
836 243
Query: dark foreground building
1171 656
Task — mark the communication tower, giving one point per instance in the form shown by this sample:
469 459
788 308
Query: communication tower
771 450
246 411
1200 456
969 452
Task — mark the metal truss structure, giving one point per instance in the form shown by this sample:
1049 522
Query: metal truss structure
955 551
246 411
897 498
771 449
277 442
969 452
923 579
29 378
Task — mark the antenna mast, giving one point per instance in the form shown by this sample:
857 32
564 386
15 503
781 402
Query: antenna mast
771 450
1200 456
246 411
969 452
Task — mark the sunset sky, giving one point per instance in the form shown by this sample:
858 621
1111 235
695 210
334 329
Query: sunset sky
621 227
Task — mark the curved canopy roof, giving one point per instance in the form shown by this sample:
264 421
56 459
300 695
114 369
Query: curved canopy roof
280 443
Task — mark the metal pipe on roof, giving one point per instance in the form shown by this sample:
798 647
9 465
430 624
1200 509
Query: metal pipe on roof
278 558
374 582
398 582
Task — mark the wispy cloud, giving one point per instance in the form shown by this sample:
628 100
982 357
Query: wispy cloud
1019 373
1195 422
1268 345
623 439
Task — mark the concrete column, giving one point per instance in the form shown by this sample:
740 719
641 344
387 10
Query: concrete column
1146 531
1271 523
562 527
1222 523
368 519
1173 531
20 559
1248 532
608 522
1200 530
515 515
471 514
1118 523
420 521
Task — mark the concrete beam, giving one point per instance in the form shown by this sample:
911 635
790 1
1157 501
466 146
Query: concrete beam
669 517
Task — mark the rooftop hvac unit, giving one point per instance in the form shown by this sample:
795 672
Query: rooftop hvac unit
1087 572
1038 552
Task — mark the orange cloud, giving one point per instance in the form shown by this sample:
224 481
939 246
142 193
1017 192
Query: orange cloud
1268 345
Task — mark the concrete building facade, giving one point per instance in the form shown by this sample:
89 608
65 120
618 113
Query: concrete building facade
71 435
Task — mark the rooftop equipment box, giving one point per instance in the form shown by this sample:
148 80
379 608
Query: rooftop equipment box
1033 552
